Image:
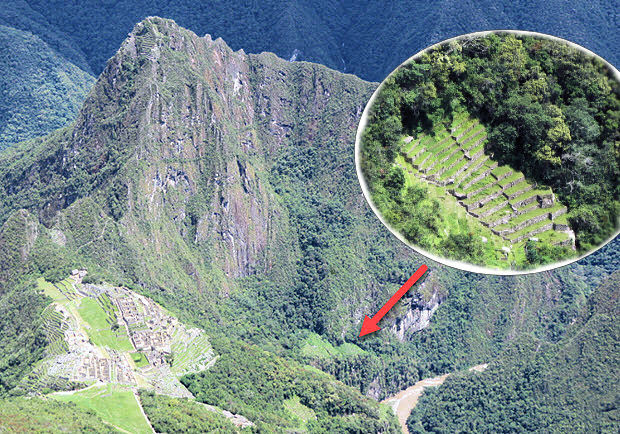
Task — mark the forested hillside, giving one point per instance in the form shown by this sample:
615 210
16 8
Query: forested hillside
42 415
535 386
40 90
347 36
222 185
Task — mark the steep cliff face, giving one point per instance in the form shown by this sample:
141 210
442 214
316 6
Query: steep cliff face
420 308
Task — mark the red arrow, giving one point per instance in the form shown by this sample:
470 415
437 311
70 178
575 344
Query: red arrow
370 324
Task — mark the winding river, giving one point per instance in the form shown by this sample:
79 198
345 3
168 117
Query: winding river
405 400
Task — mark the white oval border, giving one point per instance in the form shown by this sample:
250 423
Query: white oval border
465 266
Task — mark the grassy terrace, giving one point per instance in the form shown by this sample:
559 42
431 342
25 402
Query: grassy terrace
447 162
462 127
529 215
449 173
531 229
440 155
479 185
510 178
502 212
474 166
484 168
529 194
552 237
492 204
491 189
522 186
500 171
472 138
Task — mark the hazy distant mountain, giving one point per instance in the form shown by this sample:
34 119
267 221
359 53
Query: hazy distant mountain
365 38
40 90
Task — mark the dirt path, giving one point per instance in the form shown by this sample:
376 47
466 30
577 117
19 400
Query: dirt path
405 400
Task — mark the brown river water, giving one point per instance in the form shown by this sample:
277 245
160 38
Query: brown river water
405 400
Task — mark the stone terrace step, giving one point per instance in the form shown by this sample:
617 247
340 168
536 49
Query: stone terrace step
471 168
479 186
453 160
482 198
527 198
475 152
464 129
443 157
456 168
458 121
491 207
527 219
501 216
518 189
530 231
421 159
501 172
485 170
511 180
471 134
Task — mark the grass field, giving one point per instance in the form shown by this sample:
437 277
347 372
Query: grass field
100 329
139 359
300 411
315 346
113 404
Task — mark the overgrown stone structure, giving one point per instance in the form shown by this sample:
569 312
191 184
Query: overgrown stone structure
498 196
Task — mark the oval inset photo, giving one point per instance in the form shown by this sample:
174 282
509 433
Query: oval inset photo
496 152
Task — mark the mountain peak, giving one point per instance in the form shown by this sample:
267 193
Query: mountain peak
180 132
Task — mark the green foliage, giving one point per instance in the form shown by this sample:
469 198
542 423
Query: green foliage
42 91
552 112
17 235
37 415
541 253
535 386
256 384
51 260
175 415
22 339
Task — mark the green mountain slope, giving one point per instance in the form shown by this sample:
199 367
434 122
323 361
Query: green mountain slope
222 185
40 89
39 415
536 386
